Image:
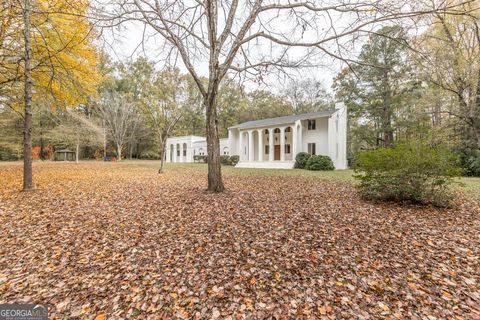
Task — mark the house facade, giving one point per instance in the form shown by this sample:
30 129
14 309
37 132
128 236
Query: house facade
274 143
183 149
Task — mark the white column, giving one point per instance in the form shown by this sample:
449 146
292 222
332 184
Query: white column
282 144
294 141
271 145
168 148
175 153
181 152
240 145
300 137
251 150
189 153
260 144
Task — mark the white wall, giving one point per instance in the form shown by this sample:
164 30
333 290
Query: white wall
319 136
337 135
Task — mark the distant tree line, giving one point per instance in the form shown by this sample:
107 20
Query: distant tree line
136 107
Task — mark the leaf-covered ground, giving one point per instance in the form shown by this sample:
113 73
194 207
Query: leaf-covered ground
110 240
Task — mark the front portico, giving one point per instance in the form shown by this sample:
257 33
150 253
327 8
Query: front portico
273 146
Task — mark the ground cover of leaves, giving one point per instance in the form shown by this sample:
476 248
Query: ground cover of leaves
116 241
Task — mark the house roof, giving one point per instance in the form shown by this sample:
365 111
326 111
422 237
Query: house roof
283 120
186 137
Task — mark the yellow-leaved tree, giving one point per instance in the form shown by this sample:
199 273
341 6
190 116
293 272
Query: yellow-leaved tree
47 56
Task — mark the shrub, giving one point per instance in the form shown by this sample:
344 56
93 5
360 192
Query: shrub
150 155
224 159
301 160
319 163
5 154
200 158
412 172
234 160
470 161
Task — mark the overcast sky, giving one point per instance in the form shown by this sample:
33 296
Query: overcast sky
127 44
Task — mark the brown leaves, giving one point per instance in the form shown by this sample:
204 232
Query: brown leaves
119 241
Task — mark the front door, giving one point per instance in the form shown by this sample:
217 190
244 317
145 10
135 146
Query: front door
277 152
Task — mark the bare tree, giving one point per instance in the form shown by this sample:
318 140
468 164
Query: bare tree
119 117
254 37
450 62
307 95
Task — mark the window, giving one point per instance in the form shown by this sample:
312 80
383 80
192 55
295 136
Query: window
267 149
288 129
276 130
311 125
287 149
178 152
225 151
311 148
266 131
184 152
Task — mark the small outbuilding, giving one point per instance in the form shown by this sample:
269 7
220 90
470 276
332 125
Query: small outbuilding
64 155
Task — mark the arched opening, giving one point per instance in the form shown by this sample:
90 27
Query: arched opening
226 151
276 144
184 150
288 143
171 152
178 150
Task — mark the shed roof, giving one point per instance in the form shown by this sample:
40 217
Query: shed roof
283 120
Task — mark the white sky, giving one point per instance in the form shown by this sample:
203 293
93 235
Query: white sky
127 44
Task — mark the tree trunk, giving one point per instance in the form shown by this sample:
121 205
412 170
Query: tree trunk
77 148
476 111
387 114
119 152
42 146
27 129
215 181
104 141
162 152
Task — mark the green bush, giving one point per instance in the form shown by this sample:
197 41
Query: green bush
470 161
318 162
234 160
5 154
409 172
200 158
150 155
224 159
301 160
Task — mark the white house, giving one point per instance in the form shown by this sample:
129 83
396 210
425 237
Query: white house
183 149
274 143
